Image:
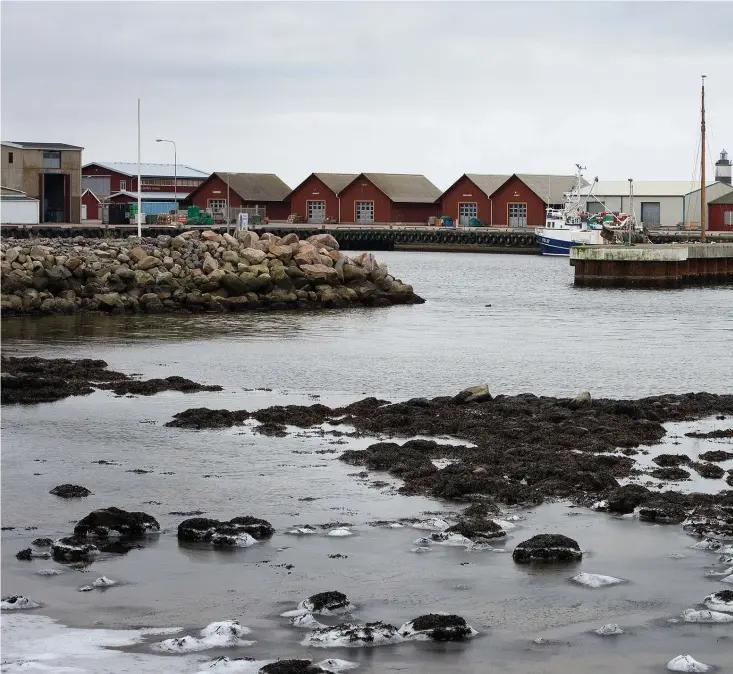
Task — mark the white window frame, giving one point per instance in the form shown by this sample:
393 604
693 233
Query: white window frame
123 185
309 211
359 208
217 205
52 159
728 218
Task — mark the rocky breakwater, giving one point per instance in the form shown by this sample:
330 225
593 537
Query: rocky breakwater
195 271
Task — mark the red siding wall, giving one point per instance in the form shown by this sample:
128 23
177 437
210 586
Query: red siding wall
515 191
465 191
313 189
414 213
115 178
92 206
716 217
363 190
216 188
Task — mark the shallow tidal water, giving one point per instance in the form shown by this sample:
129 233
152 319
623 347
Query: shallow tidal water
539 335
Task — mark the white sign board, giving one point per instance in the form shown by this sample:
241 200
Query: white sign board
243 223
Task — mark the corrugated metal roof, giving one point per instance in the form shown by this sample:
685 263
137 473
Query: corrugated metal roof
644 188
256 186
724 199
336 181
541 184
149 170
405 187
40 146
153 196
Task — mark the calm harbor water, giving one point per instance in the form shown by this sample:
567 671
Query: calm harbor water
514 322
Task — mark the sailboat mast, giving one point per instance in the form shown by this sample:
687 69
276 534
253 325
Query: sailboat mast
703 200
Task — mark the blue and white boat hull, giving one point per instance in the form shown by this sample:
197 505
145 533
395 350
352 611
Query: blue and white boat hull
552 246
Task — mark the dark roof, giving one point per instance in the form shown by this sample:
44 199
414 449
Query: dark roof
148 170
336 181
254 186
541 184
43 146
404 187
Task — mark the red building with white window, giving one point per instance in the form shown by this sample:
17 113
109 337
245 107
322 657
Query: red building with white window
317 198
109 178
503 200
222 192
389 198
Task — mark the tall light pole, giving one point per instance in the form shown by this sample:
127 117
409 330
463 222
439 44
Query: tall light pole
175 170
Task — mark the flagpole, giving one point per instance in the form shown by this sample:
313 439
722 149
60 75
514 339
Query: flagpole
139 182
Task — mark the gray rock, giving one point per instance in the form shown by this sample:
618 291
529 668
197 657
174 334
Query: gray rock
582 401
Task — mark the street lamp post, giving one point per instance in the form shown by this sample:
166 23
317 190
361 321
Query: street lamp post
175 170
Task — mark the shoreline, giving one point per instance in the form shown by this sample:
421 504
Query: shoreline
194 272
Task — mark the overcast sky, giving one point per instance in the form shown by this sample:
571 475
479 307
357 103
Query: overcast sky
439 88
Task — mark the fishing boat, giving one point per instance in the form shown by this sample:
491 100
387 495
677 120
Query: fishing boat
573 225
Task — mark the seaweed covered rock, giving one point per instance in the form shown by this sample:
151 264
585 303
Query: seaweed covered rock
716 455
671 460
709 471
477 529
626 499
722 601
73 549
291 667
202 417
662 512
547 548
237 532
710 521
326 603
350 635
673 474
17 602
70 491
437 627
152 386
113 521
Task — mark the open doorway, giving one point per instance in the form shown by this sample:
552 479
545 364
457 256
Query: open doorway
54 192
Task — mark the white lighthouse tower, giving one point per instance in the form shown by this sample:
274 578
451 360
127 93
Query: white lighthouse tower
723 169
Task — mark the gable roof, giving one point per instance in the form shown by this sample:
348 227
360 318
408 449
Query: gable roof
253 186
336 181
90 192
149 170
11 191
26 145
541 184
403 187
723 199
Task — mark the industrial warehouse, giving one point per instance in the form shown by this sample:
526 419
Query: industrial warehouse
47 183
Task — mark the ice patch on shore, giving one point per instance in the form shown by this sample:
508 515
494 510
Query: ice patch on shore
305 530
692 615
17 602
103 581
608 630
306 620
595 580
340 533
722 600
686 663
433 524
350 635
36 643
49 572
221 634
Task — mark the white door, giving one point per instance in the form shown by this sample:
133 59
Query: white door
83 211
316 211
364 211
466 212
517 215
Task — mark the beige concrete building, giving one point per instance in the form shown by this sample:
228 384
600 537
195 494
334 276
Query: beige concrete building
49 172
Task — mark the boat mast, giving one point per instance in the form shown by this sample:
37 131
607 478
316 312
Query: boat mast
703 202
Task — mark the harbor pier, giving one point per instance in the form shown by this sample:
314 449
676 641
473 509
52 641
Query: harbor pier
653 266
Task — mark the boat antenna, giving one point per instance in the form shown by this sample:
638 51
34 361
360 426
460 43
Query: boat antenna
703 202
